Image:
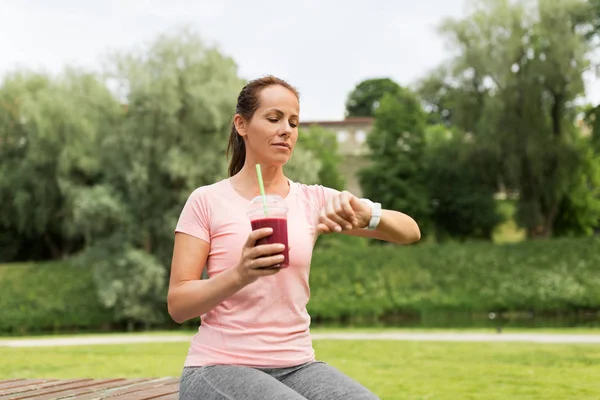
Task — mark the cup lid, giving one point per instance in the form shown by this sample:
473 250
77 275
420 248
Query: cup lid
274 203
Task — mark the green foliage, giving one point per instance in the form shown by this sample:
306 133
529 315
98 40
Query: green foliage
130 281
592 119
590 18
397 145
304 166
49 135
462 196
350 282
180 95
80 171
453 100
358 284
366 97
579 212
519 68
49 296
323 144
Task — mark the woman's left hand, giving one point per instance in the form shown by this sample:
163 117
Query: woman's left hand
343 211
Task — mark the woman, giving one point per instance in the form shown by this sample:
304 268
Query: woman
254 340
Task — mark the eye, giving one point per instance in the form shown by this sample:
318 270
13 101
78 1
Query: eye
273 120
293 124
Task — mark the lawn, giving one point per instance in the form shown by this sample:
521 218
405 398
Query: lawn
325 329
392 369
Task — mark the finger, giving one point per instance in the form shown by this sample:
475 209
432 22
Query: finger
322 228
266 271
257 235
337 207
332 214
341 211
347 199
263 262
332 225
266 250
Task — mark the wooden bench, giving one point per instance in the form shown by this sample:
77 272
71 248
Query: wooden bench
78 389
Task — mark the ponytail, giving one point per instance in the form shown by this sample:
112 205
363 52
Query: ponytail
237 146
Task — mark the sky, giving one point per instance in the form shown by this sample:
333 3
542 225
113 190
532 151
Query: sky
323 47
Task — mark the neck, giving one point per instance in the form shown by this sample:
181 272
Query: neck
274 180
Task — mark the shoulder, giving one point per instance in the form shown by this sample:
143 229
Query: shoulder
203 198
315 192
205 192
314 189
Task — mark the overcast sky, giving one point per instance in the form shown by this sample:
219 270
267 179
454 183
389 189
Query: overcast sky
323 47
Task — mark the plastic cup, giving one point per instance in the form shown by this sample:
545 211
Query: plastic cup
275 218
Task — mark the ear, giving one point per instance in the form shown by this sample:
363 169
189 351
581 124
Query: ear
240 125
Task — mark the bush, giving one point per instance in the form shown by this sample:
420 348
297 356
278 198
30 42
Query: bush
354 283
53 296
558 276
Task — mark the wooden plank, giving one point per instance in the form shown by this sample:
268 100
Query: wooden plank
15 387
75 393
136 387
154 392
62 385
82 389
10 381
24 389
174 396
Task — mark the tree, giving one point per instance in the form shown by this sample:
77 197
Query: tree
397 145
525 60
588 18
49 134
579 211
304 166
453 100
592 120
323 144
366 97
180 96
462 194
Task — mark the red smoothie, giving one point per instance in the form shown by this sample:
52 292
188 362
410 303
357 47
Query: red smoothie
279 235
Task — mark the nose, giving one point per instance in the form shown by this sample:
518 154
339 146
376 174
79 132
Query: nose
286 129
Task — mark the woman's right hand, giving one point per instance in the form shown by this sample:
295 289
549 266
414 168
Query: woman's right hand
259 260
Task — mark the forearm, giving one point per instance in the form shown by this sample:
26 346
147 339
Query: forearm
397 227
191 299
346 213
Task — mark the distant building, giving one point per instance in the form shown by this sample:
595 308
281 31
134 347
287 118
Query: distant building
351 134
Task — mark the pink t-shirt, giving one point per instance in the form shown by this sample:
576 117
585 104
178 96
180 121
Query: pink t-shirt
265 324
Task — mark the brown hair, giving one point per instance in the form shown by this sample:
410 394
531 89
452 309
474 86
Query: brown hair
247 103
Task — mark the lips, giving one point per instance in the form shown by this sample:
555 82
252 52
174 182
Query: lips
284 145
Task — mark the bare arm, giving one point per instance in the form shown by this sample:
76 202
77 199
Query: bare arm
190 297
394 227
345 213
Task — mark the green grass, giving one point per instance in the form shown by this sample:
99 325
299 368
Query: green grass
392 369
332 329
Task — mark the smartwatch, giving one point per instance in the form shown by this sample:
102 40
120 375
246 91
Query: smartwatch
375 213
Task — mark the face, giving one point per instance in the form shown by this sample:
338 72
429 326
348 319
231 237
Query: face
271 134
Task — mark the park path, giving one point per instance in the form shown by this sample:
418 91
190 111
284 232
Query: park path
406 336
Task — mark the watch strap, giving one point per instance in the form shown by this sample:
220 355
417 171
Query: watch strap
376 213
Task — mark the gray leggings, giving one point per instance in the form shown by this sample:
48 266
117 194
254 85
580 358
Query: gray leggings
310 381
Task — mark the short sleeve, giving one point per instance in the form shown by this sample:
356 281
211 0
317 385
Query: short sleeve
324 194
195 217
316 195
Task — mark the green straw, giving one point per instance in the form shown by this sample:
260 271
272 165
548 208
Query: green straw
261 185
